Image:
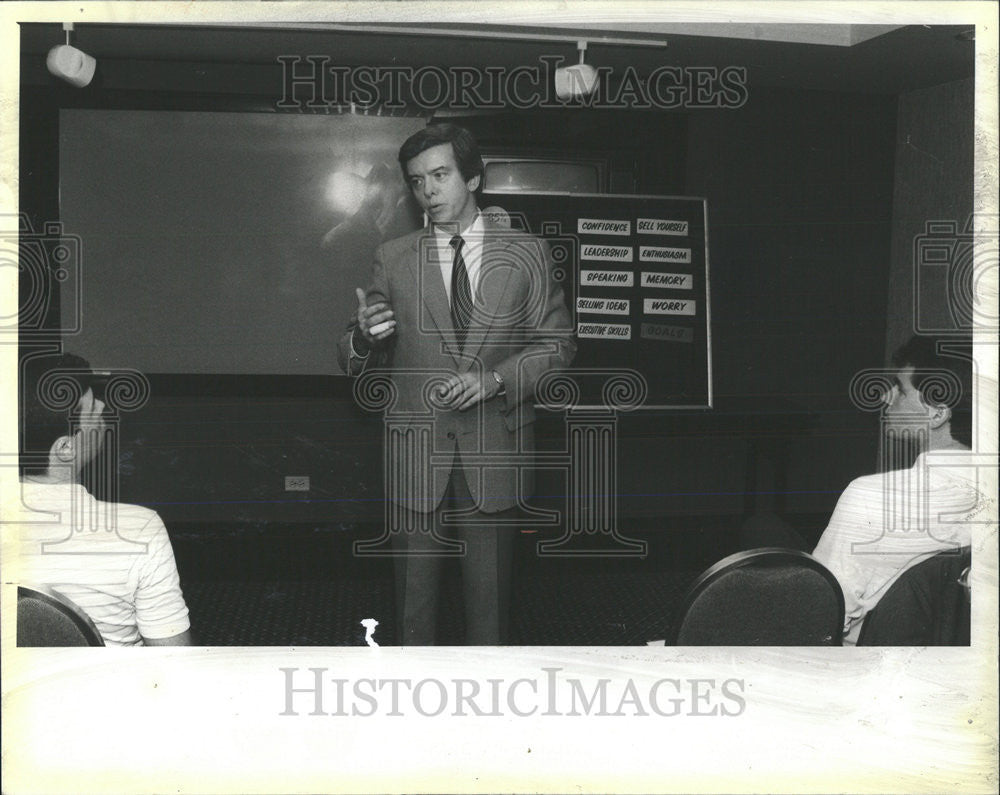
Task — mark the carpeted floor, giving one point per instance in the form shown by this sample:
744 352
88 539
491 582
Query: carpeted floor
567 609
304 585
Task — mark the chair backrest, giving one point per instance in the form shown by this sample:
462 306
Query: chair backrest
47 618
763 597
928 605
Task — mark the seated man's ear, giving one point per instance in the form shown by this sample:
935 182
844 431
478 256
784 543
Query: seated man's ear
64 449
939 416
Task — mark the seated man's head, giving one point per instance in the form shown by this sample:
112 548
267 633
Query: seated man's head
933 390
62 428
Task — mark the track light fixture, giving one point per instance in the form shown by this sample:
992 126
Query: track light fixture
578 80
70 64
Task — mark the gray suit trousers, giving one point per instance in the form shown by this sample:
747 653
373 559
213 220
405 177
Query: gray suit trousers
485 566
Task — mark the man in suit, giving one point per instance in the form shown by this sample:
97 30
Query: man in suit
466 317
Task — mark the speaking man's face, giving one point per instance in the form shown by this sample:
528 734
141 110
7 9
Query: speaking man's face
439 187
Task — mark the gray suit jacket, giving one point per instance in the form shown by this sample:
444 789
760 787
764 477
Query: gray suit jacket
521 328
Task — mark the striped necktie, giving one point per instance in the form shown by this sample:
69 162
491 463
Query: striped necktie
461 291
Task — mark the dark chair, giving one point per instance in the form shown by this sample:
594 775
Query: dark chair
47 618
928 605
763 597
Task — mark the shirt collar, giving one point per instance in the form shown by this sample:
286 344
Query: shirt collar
952 453
473 231
51 486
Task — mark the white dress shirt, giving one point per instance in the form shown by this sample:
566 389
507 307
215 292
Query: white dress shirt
472 252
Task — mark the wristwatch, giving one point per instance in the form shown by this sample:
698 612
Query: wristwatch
499 379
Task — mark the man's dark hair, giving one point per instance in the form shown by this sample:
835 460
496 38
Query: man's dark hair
922 354
463 144
41 425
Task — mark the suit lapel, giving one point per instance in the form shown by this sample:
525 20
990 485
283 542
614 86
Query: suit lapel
494 277
429 283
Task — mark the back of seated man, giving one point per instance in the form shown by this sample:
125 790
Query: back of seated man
114 561
886 523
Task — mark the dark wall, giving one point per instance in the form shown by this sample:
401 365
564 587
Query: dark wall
800 190
799 186
223 458
934 167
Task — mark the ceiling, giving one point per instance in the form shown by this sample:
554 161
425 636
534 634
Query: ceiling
855 58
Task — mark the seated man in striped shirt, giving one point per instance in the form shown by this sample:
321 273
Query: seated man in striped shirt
114 561
889 522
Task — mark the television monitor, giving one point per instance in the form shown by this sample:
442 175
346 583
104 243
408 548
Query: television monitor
517 174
